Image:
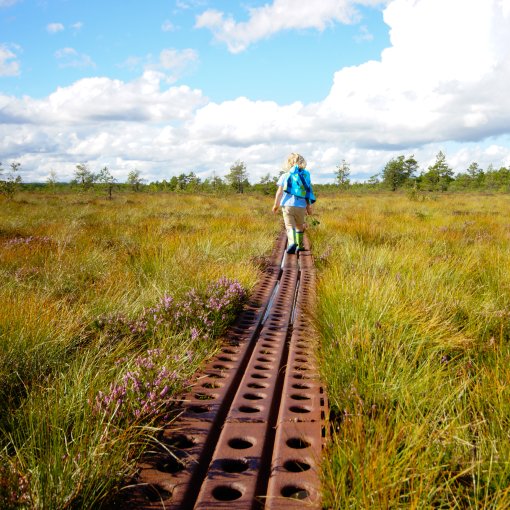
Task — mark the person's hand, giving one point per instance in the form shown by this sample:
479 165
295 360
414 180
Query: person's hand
309 209
275 208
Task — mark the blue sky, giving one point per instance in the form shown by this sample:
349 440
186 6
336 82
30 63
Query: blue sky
118 38
177 85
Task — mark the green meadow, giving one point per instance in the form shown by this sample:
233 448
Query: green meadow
414 320
109 308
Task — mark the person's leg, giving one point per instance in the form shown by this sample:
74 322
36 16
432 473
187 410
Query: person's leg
299 215
290 226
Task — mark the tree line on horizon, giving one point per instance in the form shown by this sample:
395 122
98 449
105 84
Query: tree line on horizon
401 172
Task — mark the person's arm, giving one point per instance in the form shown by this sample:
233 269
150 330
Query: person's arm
309 209
277 198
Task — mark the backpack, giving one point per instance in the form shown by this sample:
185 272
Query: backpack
298 183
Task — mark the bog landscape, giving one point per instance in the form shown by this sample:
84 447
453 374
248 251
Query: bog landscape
110 307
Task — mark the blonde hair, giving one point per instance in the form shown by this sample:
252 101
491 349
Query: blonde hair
295 159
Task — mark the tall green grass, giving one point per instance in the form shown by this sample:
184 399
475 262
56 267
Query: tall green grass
414 318
66 262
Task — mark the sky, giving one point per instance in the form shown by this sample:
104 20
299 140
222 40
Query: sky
173 86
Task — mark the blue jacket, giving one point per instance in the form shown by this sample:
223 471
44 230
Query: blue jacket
299 184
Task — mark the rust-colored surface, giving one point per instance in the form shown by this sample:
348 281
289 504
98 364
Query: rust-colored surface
252 429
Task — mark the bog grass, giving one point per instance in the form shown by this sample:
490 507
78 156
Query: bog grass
413 313
414 319
85 369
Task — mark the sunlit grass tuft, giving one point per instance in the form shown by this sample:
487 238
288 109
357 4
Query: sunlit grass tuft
414 304
66 440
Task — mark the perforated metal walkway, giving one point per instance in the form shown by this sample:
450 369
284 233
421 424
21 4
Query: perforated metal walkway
252 430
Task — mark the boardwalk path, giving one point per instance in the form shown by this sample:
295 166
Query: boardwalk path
251 433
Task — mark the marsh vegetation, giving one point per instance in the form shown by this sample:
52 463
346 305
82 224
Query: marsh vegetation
109 308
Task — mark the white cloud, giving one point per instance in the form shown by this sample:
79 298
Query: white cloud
69 57
177 62
280 15
9 65
171 62
167 26
53 28
426 93
77 26
363 35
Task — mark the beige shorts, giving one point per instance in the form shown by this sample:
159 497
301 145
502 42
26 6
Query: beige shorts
293 216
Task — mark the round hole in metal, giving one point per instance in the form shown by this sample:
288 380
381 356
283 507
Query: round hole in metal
260 367
216 376
156 493
301 360
253 396
229 351
266 351
180 441
249 409
299 409
198 409
294 492
265 359
225 358
220 367
257 386
226 493
296 466
234 465
301 386
204 396
211 386
302 376
298 443
300 396
239 443
259 376
170 465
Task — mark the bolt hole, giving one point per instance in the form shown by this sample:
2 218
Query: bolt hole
253 396
249 409
297 443
225 493
291 491
301 386
170 465
302 376
198 409
211 386
180 442
299 397
238 443
234 465
204 396
216 376
156 493
259 376
296 466
257 386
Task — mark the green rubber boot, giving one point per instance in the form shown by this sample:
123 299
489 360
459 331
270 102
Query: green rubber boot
292 241
300 239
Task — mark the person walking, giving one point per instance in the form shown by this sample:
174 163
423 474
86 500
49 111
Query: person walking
295 196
